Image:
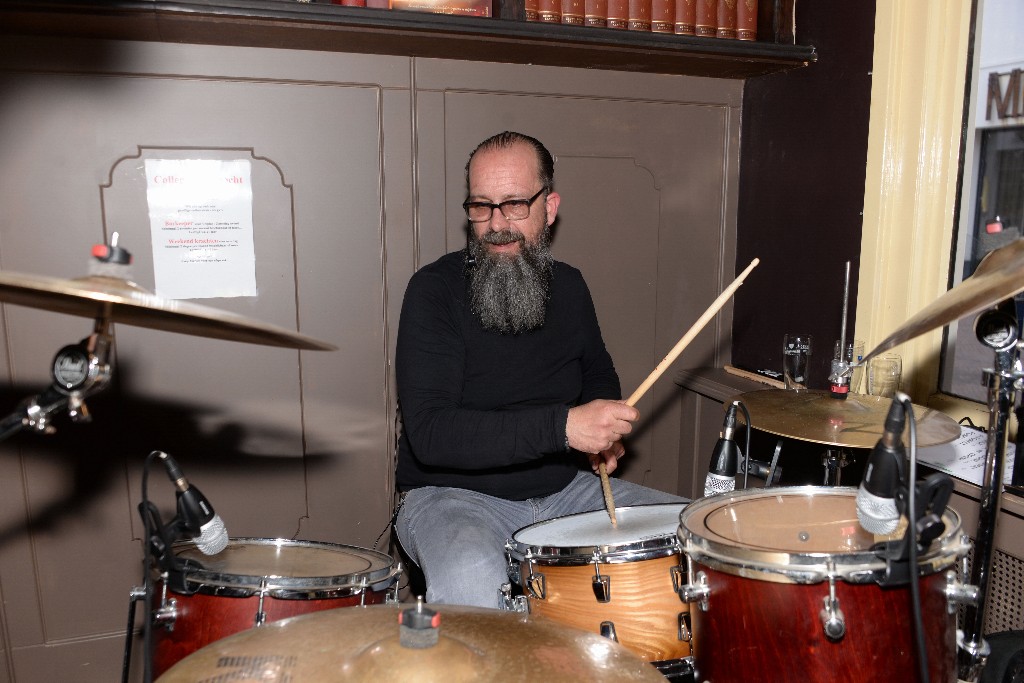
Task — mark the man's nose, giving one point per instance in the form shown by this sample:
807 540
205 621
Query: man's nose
498 221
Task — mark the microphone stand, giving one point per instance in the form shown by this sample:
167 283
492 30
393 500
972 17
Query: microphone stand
997 329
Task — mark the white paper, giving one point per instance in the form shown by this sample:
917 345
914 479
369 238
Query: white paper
200 217
964 458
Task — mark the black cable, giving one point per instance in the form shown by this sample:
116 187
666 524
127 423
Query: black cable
911 538
746 446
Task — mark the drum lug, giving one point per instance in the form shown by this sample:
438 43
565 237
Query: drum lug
832 618
958 593
602 585
608 630
535 584
511 603
699 592
512 566
261 616
679 575
685 634
167 613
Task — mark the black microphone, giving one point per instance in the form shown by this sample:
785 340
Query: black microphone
883 476
195 514
724 458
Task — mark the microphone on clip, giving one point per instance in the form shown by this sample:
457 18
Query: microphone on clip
876 498
724 458
195 514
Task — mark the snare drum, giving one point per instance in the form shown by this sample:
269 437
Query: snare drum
617 581
256 580
784 586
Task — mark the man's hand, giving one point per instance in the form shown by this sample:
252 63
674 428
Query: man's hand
609 456
599 425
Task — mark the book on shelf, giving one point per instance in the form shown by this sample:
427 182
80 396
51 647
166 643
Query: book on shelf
686 17
349 3
706 22
572 12
531 9
595 13
726 20
618 13
663 16
465 8
550 11
746 19
639 15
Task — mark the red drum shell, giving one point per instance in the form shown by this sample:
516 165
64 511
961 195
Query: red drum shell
302 577
766 555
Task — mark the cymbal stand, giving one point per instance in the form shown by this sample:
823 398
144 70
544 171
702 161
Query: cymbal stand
78 370
998 329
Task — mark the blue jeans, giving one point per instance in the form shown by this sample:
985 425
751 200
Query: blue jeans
457 536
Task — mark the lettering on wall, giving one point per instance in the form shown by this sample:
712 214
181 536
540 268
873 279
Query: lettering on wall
1008 99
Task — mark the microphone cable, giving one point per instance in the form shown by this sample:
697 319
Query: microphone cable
746 445
915 587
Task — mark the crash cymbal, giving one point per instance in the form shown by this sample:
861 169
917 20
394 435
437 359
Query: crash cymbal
999 276
121 301
856 422
364 644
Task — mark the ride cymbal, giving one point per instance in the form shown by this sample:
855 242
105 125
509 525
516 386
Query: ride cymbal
855 422
121 301
365 644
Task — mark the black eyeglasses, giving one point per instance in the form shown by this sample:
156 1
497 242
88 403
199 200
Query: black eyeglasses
511 209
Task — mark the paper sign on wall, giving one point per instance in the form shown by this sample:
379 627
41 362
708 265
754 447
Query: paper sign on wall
200 217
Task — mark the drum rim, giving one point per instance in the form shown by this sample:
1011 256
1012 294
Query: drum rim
210 581
862 566
609 553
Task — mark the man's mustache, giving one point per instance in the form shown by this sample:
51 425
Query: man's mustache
503 237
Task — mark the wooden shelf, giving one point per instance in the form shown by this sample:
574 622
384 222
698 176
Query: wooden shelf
334 28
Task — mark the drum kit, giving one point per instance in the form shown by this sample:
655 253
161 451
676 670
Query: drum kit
773 583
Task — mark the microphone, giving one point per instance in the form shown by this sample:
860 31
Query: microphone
195 514
876 497
724 458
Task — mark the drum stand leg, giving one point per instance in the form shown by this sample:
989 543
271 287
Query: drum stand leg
972 650
834 460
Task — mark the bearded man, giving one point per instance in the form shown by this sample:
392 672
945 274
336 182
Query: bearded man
505 387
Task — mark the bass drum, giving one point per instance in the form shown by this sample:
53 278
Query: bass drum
771 567
258 580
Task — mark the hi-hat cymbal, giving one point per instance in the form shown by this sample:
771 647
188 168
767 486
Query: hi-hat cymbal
855 422
122 301
363 644
999 276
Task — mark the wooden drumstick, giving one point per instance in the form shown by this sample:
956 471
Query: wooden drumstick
716 306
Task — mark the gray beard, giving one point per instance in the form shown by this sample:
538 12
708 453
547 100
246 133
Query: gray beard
509 294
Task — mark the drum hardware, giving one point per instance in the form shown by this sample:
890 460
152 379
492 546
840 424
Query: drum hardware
832 618
535 585
834 461
959 593
685 634
839 378
509 602
998 329
607 630
602 585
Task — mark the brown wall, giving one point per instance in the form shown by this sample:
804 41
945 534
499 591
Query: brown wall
358 176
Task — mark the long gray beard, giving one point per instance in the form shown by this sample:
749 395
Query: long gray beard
510 293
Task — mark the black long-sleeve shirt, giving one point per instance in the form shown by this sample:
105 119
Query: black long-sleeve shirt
486 411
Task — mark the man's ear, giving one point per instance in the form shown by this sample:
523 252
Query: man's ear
552 201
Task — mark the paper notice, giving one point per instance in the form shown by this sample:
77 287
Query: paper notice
964 458
200 216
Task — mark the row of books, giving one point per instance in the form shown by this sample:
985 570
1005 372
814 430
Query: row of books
730 19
